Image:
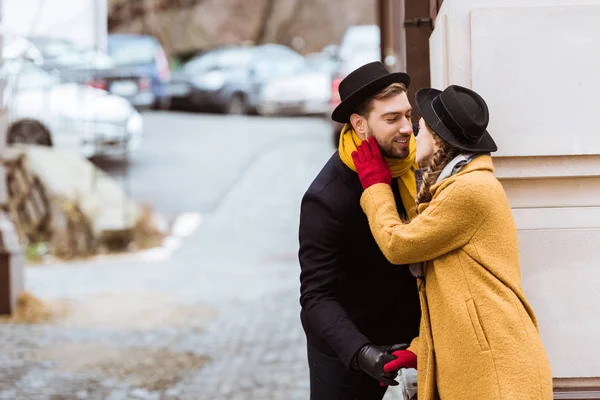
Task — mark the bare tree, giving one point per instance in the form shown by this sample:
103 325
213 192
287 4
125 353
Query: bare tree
186 26
265 19
282 34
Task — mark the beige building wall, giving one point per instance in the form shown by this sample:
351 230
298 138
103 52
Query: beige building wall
537 64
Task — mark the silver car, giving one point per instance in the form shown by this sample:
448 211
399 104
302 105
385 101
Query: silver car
41 109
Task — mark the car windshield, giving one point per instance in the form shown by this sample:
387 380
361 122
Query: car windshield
68 54
16 48
357 60
23 75
320 62
275 60
360 39
51 49
278 52
219 60
91 58
131 50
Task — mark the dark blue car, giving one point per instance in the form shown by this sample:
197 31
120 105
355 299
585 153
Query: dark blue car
144 55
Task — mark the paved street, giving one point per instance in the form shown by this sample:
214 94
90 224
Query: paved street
217 319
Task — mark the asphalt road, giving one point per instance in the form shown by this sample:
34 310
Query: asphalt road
191 162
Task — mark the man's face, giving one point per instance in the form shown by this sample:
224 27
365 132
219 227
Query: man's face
391 125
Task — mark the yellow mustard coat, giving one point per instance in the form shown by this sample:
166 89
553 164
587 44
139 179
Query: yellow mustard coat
479 337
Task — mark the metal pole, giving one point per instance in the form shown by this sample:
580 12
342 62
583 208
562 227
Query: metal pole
398 15
391 24
417 30
381 12
3 119
12 261
3 113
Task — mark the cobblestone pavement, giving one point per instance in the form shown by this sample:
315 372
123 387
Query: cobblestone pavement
218 320
257 352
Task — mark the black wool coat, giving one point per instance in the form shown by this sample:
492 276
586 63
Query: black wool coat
349 293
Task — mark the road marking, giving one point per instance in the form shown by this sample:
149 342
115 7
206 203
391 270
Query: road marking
184 226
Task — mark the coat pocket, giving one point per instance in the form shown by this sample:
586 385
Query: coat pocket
483 342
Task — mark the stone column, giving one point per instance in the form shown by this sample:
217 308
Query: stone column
537 64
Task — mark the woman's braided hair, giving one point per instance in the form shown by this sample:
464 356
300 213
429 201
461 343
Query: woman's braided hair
445 153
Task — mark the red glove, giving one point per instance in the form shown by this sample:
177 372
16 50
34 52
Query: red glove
370 165
404 359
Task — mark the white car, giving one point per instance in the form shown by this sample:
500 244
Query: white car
43 110
304 93
14 47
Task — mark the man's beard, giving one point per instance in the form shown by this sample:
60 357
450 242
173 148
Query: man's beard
387 149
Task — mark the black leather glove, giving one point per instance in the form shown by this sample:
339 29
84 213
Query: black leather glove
395 347
371 359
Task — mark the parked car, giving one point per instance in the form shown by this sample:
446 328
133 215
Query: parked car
230 79
142 55
19 48
306 91
303 93
216 80
360 45
326 60
271 61
62 53
95 68
43 110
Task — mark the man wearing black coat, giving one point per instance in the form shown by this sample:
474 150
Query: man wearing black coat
356 305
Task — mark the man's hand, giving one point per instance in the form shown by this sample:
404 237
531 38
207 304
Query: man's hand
370 165
395 347
371 360
390 349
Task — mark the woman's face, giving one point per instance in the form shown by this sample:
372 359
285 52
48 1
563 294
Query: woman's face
426 144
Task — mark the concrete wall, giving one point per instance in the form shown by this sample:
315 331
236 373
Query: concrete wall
82 21
537 64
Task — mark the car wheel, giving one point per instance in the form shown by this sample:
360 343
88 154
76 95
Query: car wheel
29 131
236 106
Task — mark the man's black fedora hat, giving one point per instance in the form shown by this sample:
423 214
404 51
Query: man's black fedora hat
362 83
459 116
